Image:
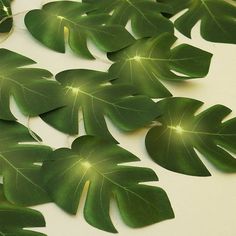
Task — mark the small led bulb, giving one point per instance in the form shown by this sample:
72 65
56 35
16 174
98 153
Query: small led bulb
75 90
86 165
5 9
61 17
72 89
179 129
137 58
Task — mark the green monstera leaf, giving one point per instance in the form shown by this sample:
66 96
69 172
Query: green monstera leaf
173 144
31 88
14 219
93 93
20 164
96 164
145 15
148 61
48 26
6 20
217 18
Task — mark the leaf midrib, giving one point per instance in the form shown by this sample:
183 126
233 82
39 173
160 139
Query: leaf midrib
140 12
80 25
213 16
23 87
204 133
163 59
20 173
106 102
2 234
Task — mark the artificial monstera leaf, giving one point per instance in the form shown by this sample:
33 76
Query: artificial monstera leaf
93 93
96 163
20 164
145 15
173 144
6 20
148 61
217 18
31 88
14 219
48 26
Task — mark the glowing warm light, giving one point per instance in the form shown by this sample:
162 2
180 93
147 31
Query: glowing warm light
137 58
178 129
73 90
5 9
86 165
61 17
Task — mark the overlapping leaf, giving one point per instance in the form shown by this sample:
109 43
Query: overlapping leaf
93 93
172 145
145 15
48 26
20 165
14 219
148 61
31 88
217 18
96 162
6 20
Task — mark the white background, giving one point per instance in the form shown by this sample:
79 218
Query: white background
203 206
